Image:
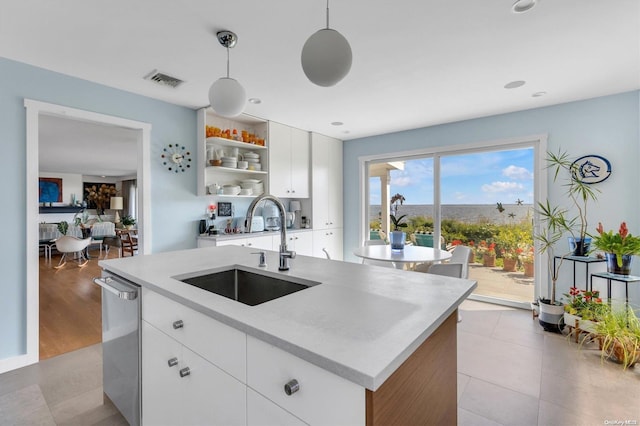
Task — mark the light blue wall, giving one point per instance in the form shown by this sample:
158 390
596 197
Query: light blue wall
607 126
175 208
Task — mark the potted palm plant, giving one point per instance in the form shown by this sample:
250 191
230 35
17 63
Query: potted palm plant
397 237
555 222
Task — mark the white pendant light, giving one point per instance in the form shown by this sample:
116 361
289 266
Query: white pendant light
227 97
326 56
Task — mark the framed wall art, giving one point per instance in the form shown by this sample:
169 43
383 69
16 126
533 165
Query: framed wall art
50 190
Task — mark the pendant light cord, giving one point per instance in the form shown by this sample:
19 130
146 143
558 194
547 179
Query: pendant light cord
327 14
227 62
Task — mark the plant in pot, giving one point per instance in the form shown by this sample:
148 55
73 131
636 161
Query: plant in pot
488 253
619 248
128 221
579 192
584 309
397 236
553 226
619 334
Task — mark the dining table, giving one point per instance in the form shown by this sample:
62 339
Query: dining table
409 255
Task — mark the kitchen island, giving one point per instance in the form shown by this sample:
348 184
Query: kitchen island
366 345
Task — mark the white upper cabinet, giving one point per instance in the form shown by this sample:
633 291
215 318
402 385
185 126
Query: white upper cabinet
219 145
289 155
326 174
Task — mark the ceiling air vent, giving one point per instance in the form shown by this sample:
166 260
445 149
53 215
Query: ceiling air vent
164 79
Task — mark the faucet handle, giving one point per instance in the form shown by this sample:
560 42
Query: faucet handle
263 258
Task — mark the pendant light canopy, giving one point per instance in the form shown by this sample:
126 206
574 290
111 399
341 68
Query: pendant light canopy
326 56
227 97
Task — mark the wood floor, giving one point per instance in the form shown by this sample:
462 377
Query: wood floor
70 305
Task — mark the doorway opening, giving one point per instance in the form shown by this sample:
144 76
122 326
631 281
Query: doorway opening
38 115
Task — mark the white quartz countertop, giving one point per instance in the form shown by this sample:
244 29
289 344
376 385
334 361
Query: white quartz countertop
361 322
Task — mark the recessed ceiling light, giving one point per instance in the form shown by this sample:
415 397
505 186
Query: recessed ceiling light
522 6
337 123
255 101
538 94
346 132
514 84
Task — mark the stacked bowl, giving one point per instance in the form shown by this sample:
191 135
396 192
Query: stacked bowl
231 162
256 186
253 160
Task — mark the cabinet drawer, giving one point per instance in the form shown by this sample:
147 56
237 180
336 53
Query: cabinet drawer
262 412
322 397
218 343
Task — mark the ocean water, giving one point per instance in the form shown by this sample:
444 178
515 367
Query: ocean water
469 213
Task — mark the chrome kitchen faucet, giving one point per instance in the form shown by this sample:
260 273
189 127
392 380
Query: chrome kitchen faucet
285 254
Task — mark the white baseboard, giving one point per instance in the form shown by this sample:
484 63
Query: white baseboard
16 362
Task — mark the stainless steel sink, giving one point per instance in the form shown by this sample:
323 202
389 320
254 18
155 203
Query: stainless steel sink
245 286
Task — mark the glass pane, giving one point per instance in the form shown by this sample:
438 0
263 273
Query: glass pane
487 203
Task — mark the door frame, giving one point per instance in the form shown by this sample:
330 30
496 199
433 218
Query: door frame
33 111
539 143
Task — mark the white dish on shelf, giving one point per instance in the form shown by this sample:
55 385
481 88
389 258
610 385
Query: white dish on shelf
250 181
251 155
252 160
246 191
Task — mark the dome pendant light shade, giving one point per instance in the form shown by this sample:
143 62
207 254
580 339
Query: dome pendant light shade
326 57
227 97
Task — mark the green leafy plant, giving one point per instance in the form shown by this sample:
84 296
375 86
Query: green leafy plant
398 221
63 227
128 220
619 333
620 243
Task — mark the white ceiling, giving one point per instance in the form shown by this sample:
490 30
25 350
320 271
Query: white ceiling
415 62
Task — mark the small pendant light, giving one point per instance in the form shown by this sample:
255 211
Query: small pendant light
326 56
227 97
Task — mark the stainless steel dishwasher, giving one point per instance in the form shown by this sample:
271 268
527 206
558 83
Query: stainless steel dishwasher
121 304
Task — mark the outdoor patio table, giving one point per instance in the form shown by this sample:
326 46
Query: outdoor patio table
410 254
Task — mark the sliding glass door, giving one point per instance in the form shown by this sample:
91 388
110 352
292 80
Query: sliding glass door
482 198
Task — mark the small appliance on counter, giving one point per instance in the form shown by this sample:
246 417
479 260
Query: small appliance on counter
257 224
296 210
271 218
290 218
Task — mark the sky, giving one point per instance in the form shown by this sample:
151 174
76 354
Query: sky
476 178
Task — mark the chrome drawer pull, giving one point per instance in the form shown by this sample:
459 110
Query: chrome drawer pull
178 324
184 372
291 387
173 362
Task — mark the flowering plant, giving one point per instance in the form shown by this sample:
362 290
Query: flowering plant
484 248
510 254
585 304
619 244
526 255
396 201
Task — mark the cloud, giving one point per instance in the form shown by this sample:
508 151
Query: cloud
517 173
496 187
403 181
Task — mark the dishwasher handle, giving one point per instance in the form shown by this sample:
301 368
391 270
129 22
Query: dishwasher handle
120 289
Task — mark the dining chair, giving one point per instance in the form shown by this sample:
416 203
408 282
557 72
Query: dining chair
449 269
129 242
68 244
101 230
460 254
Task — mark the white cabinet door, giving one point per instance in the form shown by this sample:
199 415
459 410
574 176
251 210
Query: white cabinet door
279 159
289 153
211 397
322 397
300 155
301 243
262 412
161 393
328 241
263 242
182 388
326 172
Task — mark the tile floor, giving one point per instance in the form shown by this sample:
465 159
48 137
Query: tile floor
510 372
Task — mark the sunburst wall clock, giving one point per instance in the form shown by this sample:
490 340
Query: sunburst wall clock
176 158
